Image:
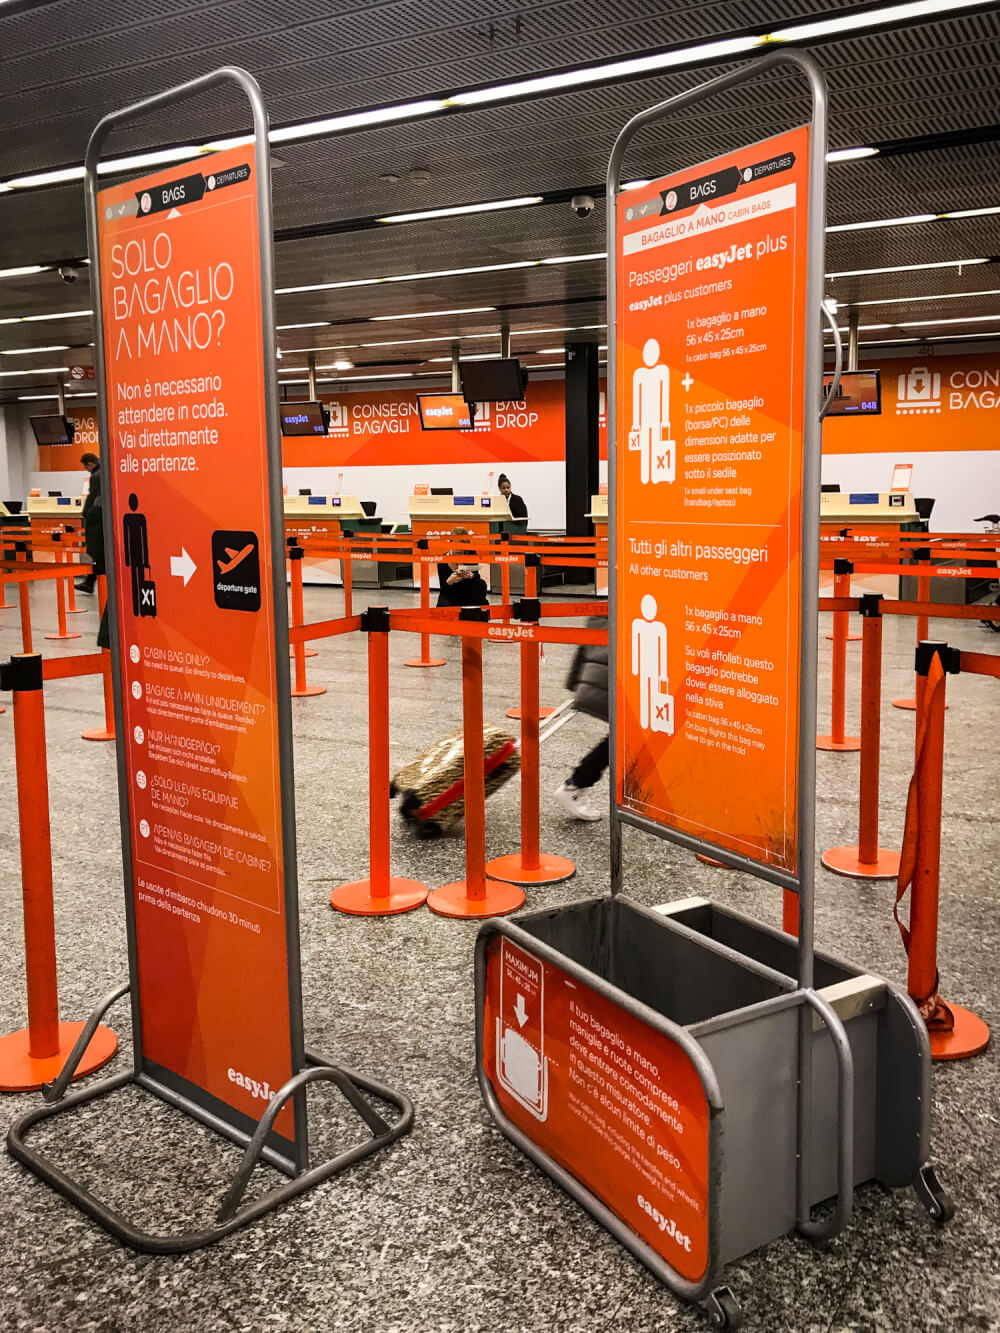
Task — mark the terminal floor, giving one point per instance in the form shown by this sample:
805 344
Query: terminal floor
452 1229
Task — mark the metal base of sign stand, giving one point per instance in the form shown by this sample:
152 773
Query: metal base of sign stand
230 1215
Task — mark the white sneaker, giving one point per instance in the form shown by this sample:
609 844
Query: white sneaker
574 801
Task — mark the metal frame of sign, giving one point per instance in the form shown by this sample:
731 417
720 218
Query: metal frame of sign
259 1142
803 882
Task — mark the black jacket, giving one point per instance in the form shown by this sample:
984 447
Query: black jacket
93 522
588 675
467 592
518 509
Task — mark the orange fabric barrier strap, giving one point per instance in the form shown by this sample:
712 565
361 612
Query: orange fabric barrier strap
941 611
497 632
919 859
980 664
323 629
62 668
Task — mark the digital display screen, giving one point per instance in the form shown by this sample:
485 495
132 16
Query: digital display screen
465 499
485 501
317 499
444 411
863 498
302 419
858 395
500 380
52 430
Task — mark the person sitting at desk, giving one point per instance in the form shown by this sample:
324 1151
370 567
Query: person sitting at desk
460 579
518 509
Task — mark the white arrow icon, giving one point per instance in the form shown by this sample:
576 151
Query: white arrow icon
520 1012
174 213
182 566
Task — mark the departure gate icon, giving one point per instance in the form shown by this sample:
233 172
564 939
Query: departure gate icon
649 663
650 432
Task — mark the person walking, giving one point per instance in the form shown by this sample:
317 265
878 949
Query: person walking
588 679
93 524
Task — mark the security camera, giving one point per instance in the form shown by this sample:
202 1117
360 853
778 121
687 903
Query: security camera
582 205
68 272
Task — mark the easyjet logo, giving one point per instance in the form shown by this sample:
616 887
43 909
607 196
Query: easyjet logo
248 1084
666 1224
510 632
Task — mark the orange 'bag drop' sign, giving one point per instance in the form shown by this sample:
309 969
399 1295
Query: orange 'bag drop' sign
710 413
191 490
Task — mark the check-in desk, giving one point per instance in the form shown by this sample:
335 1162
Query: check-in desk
861 510
876 519
599 517
440 515
48 514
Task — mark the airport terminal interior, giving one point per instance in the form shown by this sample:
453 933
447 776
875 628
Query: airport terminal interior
499 666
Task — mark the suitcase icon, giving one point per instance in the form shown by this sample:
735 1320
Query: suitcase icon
147 597
919 386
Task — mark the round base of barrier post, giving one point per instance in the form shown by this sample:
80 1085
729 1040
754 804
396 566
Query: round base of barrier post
711 861
357 899
848 743
97 734
21 1072
453 900
70 634
307 691
512 870
910 705
308 652
847 861
542 712
970 1036
420 662
851 637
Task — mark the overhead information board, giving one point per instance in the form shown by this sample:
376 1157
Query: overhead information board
206 749
710 346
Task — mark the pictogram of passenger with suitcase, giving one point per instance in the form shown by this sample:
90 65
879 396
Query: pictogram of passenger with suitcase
136 541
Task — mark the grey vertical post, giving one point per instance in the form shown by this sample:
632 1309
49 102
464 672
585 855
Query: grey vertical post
456 379
853 319
312 377
505 340
61 397
582 459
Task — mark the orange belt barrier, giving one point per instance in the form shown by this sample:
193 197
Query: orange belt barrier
62 632
381 894
425 659
531 865
300 689
323 629
867 860
531 566
475 896
34 1055
954 1032
837 740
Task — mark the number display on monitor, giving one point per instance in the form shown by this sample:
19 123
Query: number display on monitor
859 394
303 419
444 411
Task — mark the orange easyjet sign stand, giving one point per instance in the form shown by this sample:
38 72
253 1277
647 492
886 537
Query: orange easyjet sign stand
205 734
710 335
183 267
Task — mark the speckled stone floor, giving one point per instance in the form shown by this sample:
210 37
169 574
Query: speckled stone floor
452 1229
